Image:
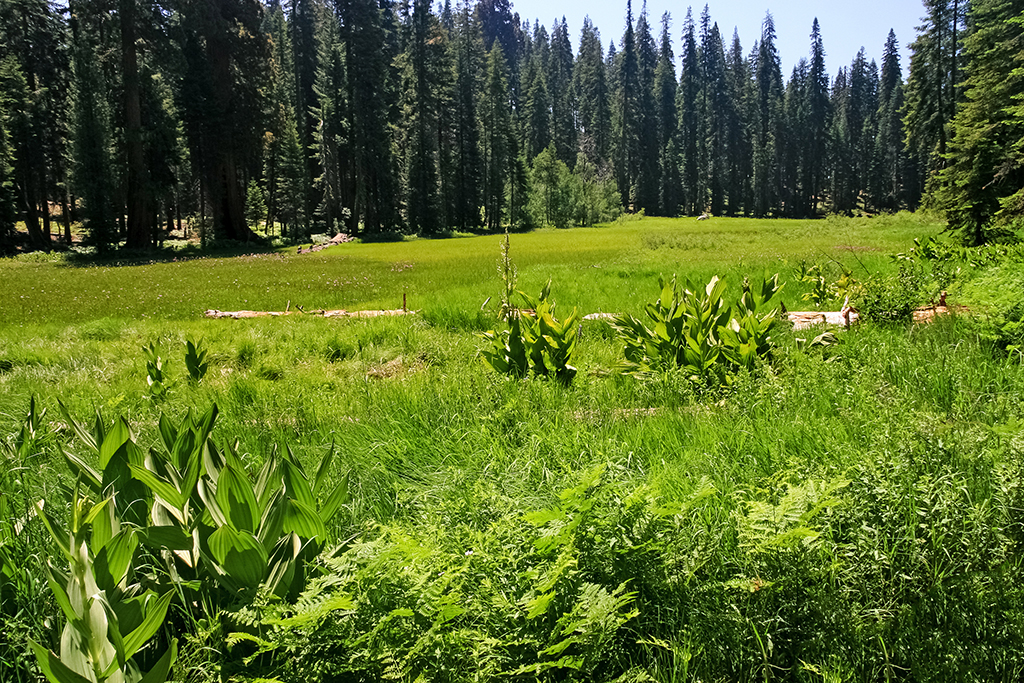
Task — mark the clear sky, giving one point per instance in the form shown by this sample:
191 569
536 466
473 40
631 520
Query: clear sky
846 25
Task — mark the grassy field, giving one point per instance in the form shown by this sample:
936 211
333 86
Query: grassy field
608 268
850 512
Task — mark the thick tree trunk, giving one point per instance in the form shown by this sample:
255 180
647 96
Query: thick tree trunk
139 213
227 203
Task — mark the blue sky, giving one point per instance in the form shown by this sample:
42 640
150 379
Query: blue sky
845 26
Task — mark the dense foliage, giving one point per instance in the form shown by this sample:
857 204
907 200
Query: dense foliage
227 116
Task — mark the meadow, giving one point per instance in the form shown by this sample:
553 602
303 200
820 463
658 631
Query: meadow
850 510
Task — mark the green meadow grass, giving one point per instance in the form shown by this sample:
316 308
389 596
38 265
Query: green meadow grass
907 570
607 268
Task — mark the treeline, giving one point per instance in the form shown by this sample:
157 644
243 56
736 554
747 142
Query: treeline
370 116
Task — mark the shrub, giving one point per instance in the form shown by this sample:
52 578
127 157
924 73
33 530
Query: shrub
698 332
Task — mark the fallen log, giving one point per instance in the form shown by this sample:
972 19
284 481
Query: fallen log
238 315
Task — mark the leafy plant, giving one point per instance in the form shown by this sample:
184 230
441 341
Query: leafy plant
536 341
155 379
110 617
195 360
696 331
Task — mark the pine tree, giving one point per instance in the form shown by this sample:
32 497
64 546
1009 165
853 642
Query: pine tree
714 103
373 186
561 94
767 137
9 73
648 185
329 136
537 116
794 158
669 197
931 91
816 126
889 189
92 149
420 111
498 141
736 125
689 121
627 116
468 165
590 89
982 185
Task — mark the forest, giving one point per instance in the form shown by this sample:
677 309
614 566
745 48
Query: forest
136 118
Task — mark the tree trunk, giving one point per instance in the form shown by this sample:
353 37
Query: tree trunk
227 203
139 214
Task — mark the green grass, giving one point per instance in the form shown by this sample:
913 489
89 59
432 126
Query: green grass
608 268
910 437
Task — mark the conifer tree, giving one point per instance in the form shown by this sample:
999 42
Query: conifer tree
767 133
561 93
669 198
468 175
815 126
982 185
889 187
92 149
735 124
498 140
713 102
689 121
590 88
648 177
932 87
626 124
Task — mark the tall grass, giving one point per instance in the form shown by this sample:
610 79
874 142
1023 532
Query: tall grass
852 512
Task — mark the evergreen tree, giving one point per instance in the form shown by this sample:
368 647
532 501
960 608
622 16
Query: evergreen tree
423 203
713 104
816 126
92 149
889 176
468 165
498 140
373 190
983 183
10 74
590 89
794 157
931 92
537 115
669 188
767 133
626 124
735 123
689 121
330 112
561 94
648 185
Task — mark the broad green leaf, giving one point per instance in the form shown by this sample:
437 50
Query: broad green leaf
175 498
237 500
322 471
84 472
168 434
84 434
162 669
51 666
156 612
167 537
239 555
115 558
59 534
295 482
117 437
338 497
208 494
57 584
302 519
